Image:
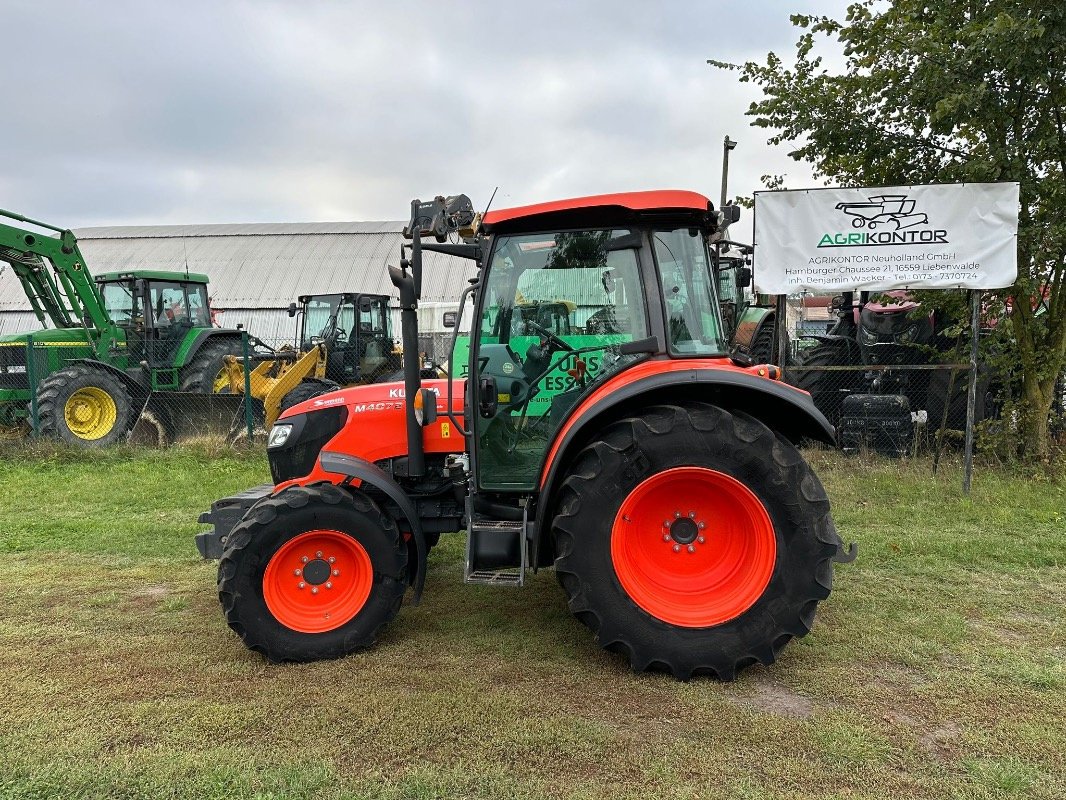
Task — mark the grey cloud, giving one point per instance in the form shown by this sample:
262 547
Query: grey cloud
215 112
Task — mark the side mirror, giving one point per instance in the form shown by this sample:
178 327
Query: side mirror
744 277
730 214
292 309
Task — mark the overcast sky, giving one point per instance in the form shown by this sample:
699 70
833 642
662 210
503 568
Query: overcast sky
192 112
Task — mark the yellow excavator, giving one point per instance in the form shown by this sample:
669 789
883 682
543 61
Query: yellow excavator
344 339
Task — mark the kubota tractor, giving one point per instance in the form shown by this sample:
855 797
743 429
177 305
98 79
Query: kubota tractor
660 479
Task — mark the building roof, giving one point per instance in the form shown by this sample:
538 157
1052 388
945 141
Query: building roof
262 265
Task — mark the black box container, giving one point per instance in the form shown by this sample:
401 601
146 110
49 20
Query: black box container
878 422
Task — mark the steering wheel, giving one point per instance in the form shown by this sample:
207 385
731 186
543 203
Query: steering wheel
549 336
340 333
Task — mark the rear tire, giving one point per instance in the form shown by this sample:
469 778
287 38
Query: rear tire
751 586
85 406
827 389
330 609
200 374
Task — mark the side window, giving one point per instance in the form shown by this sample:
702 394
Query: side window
169 305
689 293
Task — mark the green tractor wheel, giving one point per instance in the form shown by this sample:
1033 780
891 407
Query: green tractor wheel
205 371
84 405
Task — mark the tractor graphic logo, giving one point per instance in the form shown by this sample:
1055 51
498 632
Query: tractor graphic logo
891 212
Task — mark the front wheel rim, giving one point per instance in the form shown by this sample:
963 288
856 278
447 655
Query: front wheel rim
318 581
90 413
693 547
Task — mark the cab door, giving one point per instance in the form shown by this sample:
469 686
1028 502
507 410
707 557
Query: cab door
554 310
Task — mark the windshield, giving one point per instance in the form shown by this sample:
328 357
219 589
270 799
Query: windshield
689 292
120 303
327 318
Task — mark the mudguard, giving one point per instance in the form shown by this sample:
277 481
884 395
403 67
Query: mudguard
365 472
781 407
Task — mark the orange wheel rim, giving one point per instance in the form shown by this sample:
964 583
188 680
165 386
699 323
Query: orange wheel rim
318 581
693 547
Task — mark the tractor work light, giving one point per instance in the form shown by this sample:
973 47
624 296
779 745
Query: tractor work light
279 434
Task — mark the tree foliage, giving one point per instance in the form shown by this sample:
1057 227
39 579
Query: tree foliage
952 91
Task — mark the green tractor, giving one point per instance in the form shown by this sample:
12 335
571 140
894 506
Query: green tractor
111 342
749 318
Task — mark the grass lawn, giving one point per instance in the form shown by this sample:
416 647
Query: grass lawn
936 669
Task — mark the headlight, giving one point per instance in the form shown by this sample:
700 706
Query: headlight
279 434
909 335
867 336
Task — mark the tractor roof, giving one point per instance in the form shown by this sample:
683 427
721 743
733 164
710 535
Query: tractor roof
603 209
154 275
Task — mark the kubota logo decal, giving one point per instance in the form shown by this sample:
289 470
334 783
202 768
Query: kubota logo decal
889 219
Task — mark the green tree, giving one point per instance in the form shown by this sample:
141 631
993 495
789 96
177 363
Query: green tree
952 91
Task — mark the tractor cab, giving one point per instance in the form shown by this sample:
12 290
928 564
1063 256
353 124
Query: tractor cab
156 310
356 330
646 282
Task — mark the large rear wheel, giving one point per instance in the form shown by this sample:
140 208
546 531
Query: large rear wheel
312 573
694 540
827 388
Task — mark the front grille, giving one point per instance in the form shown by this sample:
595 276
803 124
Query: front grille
311 431
13 367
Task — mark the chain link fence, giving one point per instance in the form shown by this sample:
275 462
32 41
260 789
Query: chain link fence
154 393
895 410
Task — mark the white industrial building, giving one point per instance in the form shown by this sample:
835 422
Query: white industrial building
256 270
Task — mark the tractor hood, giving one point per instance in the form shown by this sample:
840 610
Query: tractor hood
373 427
51 337
376 400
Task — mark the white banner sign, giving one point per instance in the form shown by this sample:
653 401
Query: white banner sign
897 237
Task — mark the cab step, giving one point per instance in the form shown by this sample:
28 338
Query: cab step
496 552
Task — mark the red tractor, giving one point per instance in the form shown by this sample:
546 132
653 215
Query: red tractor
660 479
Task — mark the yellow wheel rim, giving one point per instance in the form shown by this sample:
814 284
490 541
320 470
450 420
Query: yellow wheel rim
90 413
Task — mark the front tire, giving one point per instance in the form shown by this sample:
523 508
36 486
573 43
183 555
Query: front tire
312 573
694 540
85 406
307 389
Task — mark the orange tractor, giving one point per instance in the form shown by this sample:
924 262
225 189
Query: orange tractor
660 479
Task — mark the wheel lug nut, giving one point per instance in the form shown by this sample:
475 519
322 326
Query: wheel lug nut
666 537
677 515
305 559
296 572
666 524
329 584
691 549
318 554
336 572
677 548
301 585
331 559
314 590
702 525
692 515
701 540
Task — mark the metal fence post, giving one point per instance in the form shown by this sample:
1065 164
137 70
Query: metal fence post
248 421
31 381
971 395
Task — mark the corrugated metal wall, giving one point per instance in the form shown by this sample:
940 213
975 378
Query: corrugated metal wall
256 270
